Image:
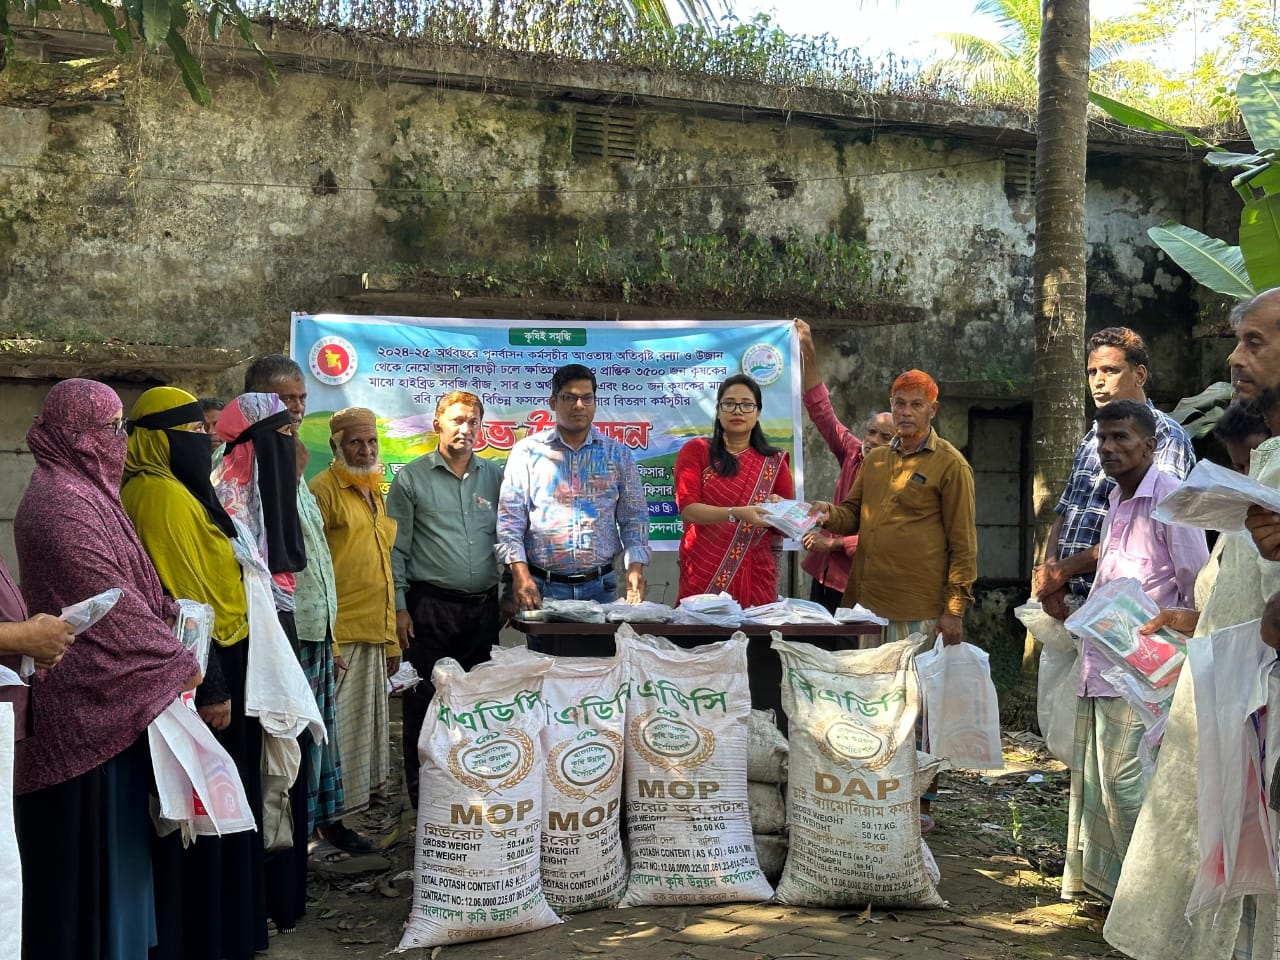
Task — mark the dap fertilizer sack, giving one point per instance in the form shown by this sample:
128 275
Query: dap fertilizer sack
583 864
476 866
686 774
853 813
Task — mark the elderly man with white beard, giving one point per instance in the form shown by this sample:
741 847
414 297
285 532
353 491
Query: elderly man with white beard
360 537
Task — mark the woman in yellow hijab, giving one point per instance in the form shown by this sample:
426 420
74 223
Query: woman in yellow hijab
216 905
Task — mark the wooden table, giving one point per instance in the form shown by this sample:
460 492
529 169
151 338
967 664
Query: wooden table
764 669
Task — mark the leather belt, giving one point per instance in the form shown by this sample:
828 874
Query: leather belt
455 595
595 573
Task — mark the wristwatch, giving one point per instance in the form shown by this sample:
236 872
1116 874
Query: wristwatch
732 518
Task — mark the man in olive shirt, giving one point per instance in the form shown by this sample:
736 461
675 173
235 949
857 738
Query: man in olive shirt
912 507
446 575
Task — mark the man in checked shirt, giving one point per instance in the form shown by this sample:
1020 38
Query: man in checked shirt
1116 369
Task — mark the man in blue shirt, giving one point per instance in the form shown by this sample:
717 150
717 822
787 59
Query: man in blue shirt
571 502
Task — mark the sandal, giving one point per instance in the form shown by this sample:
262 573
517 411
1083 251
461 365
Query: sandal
324 853
344 838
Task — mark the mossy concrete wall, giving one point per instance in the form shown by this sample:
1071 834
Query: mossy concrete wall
127 212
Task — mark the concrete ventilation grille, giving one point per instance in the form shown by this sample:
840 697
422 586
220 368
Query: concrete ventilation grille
1020 171
599 133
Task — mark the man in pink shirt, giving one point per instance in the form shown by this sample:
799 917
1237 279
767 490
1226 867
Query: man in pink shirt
1107 786
830 557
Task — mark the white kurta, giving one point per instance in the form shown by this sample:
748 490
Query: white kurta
1148 916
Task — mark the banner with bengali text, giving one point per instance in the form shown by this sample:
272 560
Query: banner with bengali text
656 380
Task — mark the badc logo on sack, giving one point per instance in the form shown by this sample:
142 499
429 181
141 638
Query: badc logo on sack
333 360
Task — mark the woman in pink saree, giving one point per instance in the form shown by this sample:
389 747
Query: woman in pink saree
720 484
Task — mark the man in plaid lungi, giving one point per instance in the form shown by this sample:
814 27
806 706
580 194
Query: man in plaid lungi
1107 783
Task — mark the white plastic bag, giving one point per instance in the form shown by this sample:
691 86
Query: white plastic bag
961 712
10 867
1111 616
199 787
1049 631
1231 668
276 691
1056 685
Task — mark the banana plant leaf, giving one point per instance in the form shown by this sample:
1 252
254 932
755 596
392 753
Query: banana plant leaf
1260 240
1259 97
1133 117
1210 261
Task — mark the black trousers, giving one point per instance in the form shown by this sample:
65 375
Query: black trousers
443 626
820 593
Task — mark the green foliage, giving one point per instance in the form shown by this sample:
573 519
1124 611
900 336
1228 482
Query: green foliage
1200 413
1228 38
825 275
1210 261
155 23
1237 271
1006 71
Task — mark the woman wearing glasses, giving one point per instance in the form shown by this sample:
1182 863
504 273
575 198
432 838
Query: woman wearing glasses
720 483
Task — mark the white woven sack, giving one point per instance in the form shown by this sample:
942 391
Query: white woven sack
584 866
686 774
766 749
853 812
478 850
768 809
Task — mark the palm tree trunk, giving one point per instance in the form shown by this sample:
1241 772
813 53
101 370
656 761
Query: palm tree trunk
1061 150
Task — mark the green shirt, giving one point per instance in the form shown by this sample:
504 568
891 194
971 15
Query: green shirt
447 527
315 602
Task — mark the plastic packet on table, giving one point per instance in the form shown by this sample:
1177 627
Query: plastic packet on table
646 611
194 627
572 611
789 610
789 517
859 614
716 609
86 613
1111 618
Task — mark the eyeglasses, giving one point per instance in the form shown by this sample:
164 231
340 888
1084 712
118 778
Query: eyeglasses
119 426
573 399
738 406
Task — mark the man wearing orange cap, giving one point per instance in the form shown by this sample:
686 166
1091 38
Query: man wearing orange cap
912 507
360 535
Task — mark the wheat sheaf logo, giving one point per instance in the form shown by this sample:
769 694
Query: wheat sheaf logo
586 766
496 761
852 744
666 740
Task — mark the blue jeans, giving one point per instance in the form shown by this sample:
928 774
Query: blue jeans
602 590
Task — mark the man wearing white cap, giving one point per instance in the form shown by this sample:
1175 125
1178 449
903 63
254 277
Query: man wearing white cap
360 535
